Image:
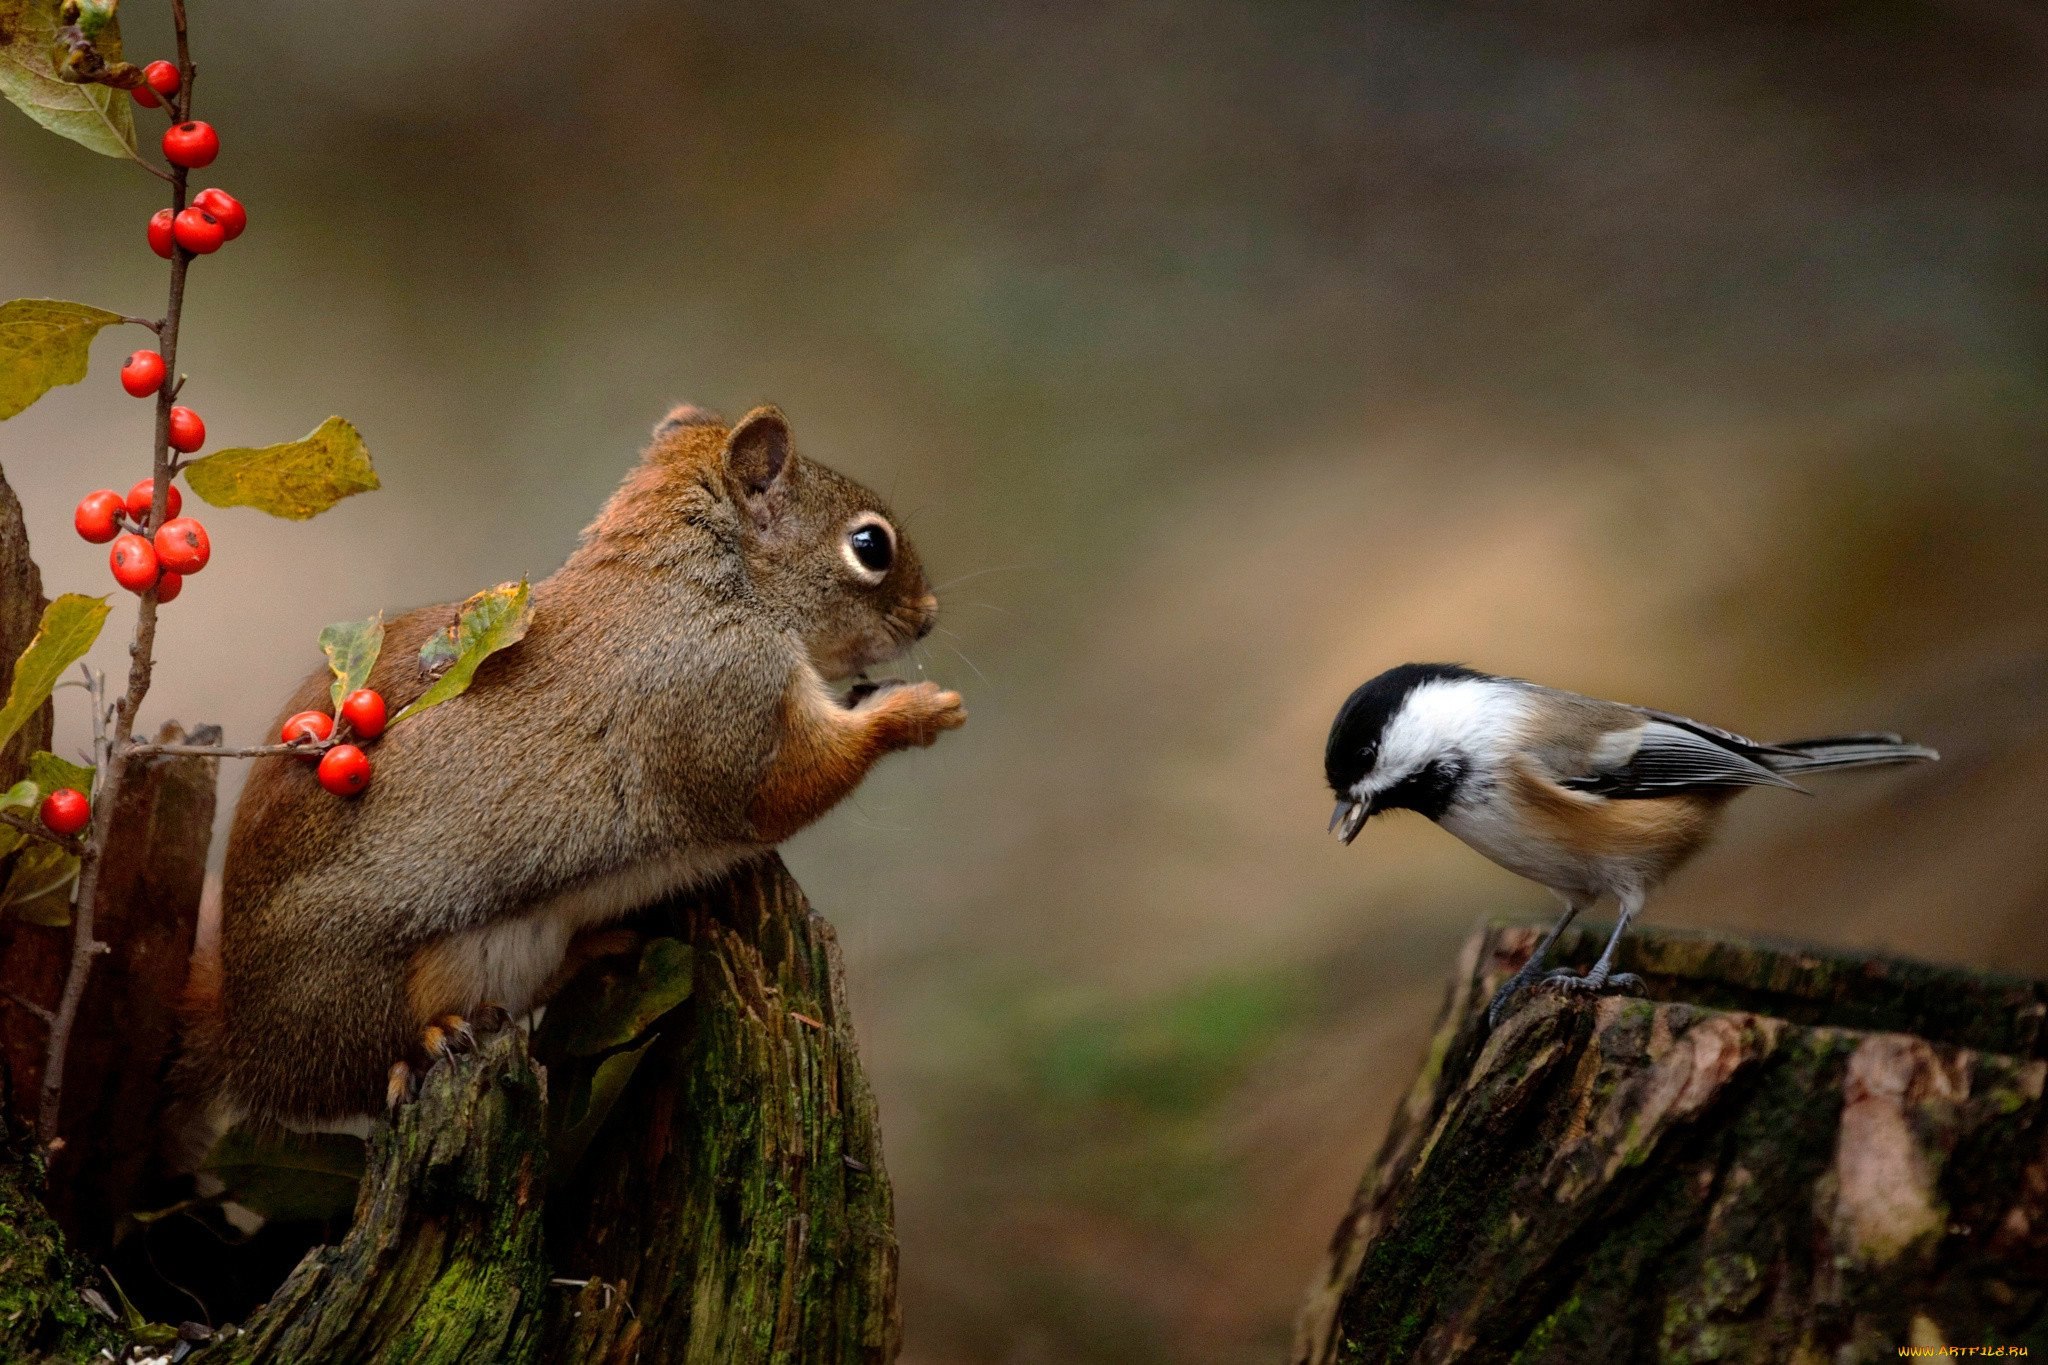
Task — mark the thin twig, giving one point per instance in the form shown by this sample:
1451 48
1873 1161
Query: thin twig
141 652
151 323
96 688
31 1006
310 749
48 836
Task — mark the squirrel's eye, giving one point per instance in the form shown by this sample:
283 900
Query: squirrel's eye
872 546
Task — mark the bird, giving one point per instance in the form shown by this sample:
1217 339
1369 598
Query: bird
1589 798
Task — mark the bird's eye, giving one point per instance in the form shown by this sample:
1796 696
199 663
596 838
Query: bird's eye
870 548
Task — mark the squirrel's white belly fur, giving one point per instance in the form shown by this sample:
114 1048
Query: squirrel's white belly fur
507 963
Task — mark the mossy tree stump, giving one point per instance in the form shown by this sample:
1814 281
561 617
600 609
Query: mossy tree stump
1779 1155
731 1207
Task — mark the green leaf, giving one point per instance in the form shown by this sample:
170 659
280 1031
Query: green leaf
44 343
490 621
351 648
69 627
590 1099
95 116
50 773
602 1009
21 796
289 1176
39 887
294 480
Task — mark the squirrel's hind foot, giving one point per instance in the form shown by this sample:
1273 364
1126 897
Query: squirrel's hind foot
447 1038
400 1087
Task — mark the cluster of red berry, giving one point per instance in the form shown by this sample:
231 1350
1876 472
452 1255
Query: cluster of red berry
344 768
214 217
180 547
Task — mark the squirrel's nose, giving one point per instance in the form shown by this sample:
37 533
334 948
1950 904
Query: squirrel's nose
928 612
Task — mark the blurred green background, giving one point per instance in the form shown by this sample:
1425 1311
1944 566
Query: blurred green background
1218 357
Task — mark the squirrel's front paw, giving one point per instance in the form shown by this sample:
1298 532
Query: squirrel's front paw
917 712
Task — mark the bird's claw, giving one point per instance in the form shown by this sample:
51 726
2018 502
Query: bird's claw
1593 983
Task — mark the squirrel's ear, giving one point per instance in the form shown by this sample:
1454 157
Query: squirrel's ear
687 415
757 458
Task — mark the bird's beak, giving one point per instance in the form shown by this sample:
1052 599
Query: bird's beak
1349 818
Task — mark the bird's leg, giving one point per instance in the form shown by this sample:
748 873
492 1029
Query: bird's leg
1603 977
1533 968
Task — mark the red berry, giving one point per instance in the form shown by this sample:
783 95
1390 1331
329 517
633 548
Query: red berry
199 232
145 97
162 77
188 433
344 770
191 145
98 518
224 206
306 725
143 375
134 562
139 496
161 232
182 545
364 711
169 586
66 811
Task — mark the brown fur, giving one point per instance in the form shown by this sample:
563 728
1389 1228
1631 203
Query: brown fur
642 735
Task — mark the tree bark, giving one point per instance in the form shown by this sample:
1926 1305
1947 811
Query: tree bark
31 960
745 1212
129 1022
1780 1155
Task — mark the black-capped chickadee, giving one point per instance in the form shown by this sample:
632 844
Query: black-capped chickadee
1589 798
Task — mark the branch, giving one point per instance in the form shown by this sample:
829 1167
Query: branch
311 748
68 842
31 1006
141 654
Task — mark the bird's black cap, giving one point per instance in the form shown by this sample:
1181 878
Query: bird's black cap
1355 734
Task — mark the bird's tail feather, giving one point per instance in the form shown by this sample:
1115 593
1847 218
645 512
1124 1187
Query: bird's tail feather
1844 751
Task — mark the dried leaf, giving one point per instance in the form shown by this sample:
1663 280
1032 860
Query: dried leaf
601 1010
490 621
289 1176
294 479
589 1100
31 62
39 887
351 648
69 626
44 343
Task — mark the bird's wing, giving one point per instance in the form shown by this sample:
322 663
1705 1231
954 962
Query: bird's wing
1673 755
1727 739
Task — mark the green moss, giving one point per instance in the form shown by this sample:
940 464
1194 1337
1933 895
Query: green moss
42 1316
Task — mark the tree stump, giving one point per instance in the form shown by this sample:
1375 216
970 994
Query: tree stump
1780 1155
731 1206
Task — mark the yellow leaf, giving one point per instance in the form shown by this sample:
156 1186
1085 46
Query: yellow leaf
490 621
69 627
95 116
351 648
44 343
294 479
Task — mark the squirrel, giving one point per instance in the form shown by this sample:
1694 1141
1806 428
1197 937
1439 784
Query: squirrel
666 715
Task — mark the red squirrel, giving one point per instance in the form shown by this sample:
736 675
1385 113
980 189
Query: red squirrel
666 715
